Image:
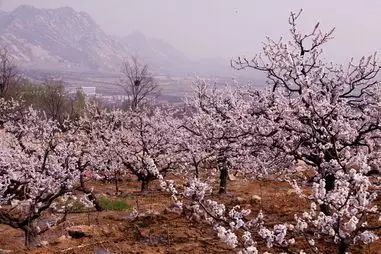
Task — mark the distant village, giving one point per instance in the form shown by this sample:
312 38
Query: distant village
91 92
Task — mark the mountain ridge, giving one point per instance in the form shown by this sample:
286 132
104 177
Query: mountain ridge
64 39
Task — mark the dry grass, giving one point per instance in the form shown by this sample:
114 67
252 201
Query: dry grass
163 233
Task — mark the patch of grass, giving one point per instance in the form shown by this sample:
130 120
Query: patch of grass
114 204
78 207
72 205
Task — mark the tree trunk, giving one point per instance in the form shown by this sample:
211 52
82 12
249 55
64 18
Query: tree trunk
223 167
329 186
343 247
144 186
32 238
94 200
90 195
195 163
116 183
224 172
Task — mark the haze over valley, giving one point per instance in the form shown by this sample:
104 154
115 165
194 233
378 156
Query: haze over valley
66 44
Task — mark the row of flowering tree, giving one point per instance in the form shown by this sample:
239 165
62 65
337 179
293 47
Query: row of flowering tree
38 168
327 116
45 163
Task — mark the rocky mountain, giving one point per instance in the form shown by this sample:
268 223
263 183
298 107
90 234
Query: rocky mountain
58 38
64 39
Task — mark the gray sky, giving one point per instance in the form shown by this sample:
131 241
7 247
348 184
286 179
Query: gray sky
228 28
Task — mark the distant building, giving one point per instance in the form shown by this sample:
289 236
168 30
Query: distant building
89 91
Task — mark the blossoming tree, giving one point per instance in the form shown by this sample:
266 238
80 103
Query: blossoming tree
146 145
329 117
219 126
37 169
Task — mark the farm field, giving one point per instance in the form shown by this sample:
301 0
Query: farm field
159 231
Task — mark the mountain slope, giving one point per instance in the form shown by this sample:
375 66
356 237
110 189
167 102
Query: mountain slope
63 39
57 38
162 56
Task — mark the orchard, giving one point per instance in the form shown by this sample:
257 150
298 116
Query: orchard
316 127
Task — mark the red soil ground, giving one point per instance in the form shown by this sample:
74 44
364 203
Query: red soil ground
164 233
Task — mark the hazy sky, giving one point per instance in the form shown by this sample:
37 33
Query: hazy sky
228 28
